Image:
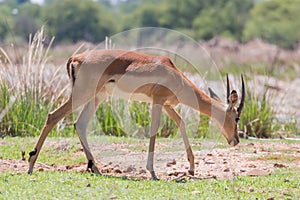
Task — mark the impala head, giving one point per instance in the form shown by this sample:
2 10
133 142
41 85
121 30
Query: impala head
232 115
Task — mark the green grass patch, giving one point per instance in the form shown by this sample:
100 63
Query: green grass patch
71 185
56 150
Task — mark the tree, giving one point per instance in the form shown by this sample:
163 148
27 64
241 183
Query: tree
74 20
28 20
275 21
5 21
226 17
180 14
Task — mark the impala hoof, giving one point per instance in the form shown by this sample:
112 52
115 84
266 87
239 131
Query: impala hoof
92 167
191 172
154 177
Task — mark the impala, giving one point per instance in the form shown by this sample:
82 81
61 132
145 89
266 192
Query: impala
97 74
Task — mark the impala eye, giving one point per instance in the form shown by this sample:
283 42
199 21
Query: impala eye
237 119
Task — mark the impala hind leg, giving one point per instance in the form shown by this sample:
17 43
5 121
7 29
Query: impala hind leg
175 116
155 121
81 125
52 119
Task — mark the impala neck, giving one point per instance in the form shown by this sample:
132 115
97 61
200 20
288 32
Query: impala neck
198 100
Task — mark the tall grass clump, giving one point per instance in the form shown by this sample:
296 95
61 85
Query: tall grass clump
259 118
120 117
32 83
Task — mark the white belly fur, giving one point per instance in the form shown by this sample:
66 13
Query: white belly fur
112 89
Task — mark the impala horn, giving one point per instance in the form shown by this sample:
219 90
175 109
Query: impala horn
228 89
240 108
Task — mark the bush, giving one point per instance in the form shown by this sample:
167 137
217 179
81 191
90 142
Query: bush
273 22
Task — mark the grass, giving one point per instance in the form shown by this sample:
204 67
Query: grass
55 153
281 184
258 118
71 185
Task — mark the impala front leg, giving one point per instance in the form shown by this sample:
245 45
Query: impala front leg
181 125
51 121
155 121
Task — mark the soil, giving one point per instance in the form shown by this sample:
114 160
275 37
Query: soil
213 161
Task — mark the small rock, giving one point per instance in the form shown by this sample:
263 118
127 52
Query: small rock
40 169
278 165
117 170
130 169
172 162
251 190
209 162
226 170
106 170
142 171
176 173
69 167
251 166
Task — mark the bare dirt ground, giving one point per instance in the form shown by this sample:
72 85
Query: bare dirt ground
249 158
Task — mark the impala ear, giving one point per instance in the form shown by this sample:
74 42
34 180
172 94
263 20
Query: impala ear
213 95
232 99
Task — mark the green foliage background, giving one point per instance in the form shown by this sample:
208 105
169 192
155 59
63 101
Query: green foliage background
72 20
